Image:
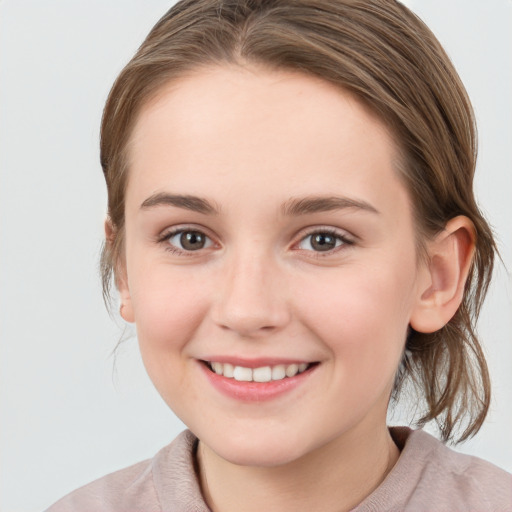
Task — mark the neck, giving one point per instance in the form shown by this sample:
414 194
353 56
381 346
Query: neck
335 477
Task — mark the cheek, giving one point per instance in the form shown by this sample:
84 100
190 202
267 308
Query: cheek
362 314
167 308
168 311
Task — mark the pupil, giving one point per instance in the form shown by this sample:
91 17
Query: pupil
192 240
323 242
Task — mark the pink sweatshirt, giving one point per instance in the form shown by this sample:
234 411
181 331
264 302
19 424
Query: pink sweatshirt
427 477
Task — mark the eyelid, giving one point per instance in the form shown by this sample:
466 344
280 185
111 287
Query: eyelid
168 233
346 238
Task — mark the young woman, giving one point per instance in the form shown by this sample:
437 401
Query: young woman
293 231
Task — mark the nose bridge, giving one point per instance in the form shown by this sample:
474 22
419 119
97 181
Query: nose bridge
253 298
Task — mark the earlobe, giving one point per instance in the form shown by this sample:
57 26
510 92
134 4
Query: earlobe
443 278
120 276
126 312
126 309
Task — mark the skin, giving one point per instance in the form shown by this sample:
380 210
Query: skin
249 141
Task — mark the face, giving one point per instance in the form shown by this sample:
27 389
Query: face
268 239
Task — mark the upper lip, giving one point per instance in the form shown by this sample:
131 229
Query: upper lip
255 362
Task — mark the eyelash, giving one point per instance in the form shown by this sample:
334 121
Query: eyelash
343 238
164 239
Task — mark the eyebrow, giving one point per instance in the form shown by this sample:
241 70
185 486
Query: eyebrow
192 203
292 207
315 204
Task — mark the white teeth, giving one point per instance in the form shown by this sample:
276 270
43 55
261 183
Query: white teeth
262 374
292 370
278 372
243 374
217 368
229 370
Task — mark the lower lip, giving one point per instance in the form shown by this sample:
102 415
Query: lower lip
255 391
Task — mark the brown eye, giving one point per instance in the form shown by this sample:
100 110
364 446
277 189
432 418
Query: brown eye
188 240
192 240
323 241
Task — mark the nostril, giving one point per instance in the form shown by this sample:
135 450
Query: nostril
248 323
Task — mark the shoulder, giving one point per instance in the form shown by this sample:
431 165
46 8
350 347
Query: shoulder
458 478
165 482
431 476
113 491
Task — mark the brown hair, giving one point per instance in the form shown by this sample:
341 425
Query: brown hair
387 58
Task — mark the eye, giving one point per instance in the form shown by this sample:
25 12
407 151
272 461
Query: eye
187 240
323 241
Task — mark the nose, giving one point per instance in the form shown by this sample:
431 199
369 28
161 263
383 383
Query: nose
252 299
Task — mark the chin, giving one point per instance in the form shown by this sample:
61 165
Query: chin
257 457
245 449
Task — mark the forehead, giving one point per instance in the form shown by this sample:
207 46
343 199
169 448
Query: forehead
225 126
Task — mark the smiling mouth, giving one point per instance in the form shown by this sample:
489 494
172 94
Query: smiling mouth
261 374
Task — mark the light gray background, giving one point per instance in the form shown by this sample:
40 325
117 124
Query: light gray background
65 418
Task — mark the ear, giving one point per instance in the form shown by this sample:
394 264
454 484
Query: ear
120 275
444 275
